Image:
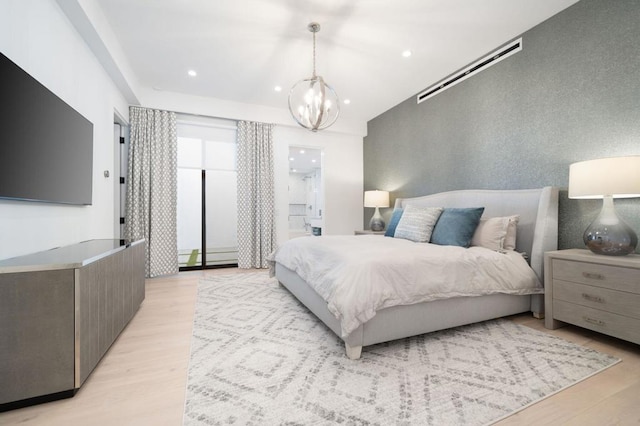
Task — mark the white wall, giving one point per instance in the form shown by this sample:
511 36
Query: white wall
37 36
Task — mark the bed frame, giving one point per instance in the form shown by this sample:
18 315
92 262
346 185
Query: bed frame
537 232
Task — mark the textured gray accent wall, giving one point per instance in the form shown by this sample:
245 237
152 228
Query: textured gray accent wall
571 94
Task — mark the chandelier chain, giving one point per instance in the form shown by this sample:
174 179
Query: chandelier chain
314 54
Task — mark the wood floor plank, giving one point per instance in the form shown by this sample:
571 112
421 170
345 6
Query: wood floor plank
142 378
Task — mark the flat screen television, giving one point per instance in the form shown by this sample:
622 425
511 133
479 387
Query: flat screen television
46 147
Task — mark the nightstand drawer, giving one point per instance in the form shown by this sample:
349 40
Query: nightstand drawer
597 320
620 302
624 279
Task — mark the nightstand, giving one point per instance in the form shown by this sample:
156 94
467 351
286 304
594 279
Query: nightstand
601 293
368 232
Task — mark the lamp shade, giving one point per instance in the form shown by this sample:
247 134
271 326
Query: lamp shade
376 199
618 177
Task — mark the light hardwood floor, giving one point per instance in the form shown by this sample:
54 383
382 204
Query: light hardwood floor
142 378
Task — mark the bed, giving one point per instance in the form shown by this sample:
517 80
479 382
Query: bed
537 232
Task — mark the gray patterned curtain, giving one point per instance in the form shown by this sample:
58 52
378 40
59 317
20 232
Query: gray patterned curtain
256 219
152 188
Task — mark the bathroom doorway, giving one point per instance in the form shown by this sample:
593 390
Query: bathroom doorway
306 191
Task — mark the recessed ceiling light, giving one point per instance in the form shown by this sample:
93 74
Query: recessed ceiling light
347 101
302 151
278 89
313 161
406 53
192 73
291 158
293 170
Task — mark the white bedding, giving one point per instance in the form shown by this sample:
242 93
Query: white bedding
359 275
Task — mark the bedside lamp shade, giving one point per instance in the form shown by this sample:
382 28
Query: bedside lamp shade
607 178
376 199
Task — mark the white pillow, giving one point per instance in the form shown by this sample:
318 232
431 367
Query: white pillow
416 223
496 233
491 233
510 239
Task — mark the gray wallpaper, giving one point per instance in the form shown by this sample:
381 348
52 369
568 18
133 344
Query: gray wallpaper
571 94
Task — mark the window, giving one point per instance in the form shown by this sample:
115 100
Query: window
207 193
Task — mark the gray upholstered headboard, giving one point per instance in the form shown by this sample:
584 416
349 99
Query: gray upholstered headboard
538 210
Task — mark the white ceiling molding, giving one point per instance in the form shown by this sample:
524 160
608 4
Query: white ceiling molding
85 18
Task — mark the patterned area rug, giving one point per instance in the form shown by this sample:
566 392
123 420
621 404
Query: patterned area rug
258 357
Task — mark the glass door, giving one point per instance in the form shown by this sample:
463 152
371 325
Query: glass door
189 202
221 207
207 208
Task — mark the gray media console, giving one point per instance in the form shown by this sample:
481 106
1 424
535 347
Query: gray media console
60 311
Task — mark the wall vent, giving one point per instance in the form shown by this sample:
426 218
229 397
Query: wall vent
480 65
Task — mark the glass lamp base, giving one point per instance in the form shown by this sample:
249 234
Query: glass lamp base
610 235
377 223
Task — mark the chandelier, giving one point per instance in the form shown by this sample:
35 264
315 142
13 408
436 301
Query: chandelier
312 102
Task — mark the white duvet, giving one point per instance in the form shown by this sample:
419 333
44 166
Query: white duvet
359 275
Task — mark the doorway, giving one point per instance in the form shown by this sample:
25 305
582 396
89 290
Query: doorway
306 191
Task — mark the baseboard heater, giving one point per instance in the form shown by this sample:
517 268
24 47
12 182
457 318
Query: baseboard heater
479 65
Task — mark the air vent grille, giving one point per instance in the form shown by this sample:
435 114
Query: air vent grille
480 65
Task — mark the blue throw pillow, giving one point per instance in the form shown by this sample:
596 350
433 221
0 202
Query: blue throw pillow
393 223
455 227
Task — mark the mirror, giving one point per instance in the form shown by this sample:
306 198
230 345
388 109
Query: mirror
306 191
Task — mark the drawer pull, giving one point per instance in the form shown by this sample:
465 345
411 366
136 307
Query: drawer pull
591 298
593 276
594 321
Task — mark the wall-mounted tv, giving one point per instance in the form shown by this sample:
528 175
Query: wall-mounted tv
46 147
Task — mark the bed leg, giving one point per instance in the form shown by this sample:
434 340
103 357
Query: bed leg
353 352
537 305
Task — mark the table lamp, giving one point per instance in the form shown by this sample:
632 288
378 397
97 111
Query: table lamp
376 199
607 178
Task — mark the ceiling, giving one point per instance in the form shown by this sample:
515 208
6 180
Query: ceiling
242 49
